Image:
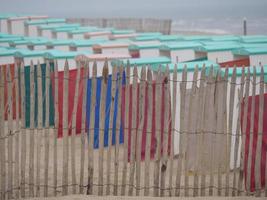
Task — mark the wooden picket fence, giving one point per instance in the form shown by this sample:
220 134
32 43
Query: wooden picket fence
197 124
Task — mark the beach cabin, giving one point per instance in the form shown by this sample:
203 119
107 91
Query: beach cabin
81 31
46 30
181 51
15 25
26 56
218 53
19 44
149 50
85 45
62 33
38 44
7 55
104 34
62 45
31 27
112 47
122 34
256 55
5 41
3 22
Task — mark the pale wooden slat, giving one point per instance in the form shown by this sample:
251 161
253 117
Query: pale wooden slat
252 112
200 137
230 129
91 132
126 130
149 132
190 128
182 133
2 135
259 140
83 131
164 160
117 137
73 128
23 133
173 131
55 171
211 126
140 129
102 109
243 137
9 134
237 135
113 91
40 133
133 132
17 151
226 136
47 130
65 130
158 132
32 126
219 136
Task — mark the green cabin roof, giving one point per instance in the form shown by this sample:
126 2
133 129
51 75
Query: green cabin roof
225 38
251 51
197 38
120 32
149 34
253 45
7 52
180 46
190 66
7 15
87 43
3 40
56 54
144 46
239 71
59 42
24 53
54 26
81 30
142 61
145 38
216 48
165 38
45 21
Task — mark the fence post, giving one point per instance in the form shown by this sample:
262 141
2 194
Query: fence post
65 129
182 134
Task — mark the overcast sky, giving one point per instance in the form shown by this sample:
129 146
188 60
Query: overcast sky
174 9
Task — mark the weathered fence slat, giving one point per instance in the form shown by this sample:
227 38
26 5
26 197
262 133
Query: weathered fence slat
17 129
133 131
164 162
47 129
65 130
140 130
158 132
181 134
40 133
23 132
173 131
200 137
243 136
73 128
230 128
104 83
91 132
260 133
237 135
117 135
32 130
126 129
250 135
55 156
111 115
149 132
2 135
190 128
83 131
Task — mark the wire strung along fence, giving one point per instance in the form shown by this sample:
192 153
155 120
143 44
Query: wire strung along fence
147 130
